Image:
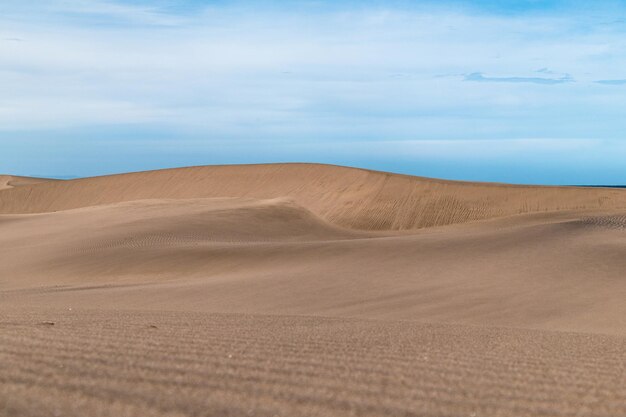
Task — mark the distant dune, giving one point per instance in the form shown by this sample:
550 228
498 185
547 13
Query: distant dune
11 181
348 197
310 290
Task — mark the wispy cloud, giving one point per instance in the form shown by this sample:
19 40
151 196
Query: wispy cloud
315 72
103 11
612 82
479 77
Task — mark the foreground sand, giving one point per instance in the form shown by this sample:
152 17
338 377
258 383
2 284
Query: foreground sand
98 363
240 305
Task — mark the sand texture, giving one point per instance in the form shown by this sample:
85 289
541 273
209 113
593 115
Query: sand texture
11 181
101 363
310 290
349 197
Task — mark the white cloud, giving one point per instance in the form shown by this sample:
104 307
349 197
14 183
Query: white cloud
372 73
83 10
49 113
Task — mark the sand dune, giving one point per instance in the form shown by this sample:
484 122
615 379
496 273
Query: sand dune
310 290
11 181
271 256
348 197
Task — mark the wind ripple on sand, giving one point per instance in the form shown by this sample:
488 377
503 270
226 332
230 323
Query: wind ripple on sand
611 222
174 364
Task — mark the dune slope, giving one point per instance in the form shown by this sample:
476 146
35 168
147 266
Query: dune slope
11 181
348 197
559 272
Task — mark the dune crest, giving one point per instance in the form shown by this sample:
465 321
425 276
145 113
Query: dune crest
348 197
12 181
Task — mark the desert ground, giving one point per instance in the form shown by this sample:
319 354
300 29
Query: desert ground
309 290
11 181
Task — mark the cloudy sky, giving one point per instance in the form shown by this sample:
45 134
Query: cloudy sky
517 91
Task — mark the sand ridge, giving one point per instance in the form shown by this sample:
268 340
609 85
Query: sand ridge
12 181
348 197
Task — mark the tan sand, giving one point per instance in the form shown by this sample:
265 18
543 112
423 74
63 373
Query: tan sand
11 181
218 297
349 197
117 364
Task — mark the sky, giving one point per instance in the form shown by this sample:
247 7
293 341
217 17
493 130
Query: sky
511 91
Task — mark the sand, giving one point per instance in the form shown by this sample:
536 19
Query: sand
250 290
349 197
12 181
103 363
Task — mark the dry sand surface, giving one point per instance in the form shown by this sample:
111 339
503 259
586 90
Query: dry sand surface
11 181
350 197
310 290
105 363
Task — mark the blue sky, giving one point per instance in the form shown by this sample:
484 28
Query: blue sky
512 91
